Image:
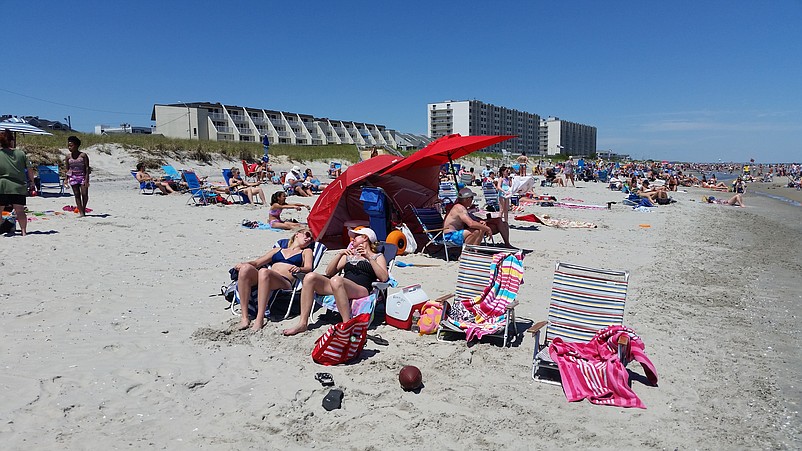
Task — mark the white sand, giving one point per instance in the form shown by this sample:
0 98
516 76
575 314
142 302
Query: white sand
111 339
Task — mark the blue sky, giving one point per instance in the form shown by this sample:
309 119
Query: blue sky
683 80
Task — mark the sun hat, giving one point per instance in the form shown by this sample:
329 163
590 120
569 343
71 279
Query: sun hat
296 169
364 231
466 193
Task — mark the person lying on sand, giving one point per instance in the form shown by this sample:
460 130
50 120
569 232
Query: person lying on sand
275 270
736 200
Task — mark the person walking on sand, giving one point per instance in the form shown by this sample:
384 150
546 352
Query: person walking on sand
77 164
568 171
14 169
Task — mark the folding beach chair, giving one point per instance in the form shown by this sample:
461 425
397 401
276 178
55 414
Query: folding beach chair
432 224
242 196
466 178
144 186
171 173
583 301
447 193
334 168
491 195
198 194
50 178
317 254
486 293
249 171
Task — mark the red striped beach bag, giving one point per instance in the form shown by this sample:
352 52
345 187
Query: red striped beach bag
342 342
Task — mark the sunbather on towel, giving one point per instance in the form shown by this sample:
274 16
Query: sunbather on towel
737 200
278 202
283 264
460 228
362 264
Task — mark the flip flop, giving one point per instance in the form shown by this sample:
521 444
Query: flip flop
378 340
333 399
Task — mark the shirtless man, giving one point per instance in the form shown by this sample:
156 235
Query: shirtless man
460 228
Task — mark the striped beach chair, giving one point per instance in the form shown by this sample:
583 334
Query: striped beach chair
475 276
583 301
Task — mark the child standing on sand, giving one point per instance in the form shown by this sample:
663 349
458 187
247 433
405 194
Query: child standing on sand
77 164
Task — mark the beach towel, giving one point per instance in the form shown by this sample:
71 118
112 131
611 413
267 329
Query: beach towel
486 313
579 206
520 185
561 223
74 209
258 225
592 370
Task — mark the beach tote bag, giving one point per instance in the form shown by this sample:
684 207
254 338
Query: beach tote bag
412 245
342 342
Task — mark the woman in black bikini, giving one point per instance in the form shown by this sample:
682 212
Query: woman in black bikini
362 264
273 271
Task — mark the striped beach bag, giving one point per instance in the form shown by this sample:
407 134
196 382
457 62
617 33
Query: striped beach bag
342 342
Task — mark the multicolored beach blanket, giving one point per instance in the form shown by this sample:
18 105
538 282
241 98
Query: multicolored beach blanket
553 222
486 313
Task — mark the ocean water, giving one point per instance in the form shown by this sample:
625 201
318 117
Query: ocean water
780 198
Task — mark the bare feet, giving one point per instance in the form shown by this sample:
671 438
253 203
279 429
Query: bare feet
243 324
295 330
258 324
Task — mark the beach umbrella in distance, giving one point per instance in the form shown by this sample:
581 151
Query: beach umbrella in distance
20 126
446 149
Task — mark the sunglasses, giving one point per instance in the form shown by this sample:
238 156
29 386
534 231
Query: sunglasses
308 235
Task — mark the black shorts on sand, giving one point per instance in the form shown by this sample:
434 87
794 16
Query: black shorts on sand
12 199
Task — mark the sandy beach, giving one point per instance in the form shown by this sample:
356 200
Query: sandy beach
114 338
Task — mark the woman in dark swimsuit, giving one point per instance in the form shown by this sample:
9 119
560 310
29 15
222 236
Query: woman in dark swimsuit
273 271
361 264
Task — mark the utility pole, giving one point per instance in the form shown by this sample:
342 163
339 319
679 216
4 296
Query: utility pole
189 122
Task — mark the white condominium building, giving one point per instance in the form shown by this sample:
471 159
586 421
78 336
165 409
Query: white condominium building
218 122
566 138
535 136
472 117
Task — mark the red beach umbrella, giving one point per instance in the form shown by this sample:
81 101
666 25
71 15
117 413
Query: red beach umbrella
447 149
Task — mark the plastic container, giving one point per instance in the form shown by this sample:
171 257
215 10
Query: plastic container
402 305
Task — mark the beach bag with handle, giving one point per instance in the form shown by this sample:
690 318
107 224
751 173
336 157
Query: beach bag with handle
342 342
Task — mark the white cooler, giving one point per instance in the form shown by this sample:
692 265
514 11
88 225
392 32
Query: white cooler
401 305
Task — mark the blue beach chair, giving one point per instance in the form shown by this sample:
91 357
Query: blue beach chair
243 197
144 186
198 194
50 178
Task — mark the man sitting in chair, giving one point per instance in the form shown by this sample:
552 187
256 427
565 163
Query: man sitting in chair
462 227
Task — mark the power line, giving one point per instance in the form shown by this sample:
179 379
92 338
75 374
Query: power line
70 106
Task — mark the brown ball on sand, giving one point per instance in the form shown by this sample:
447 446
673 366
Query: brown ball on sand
410 378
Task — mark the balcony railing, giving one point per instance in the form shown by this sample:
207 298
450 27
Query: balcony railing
228 130
285 134
217 117
244 131
277 121
258 120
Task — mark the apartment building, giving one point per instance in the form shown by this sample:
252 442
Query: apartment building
472 117
218 122
566 138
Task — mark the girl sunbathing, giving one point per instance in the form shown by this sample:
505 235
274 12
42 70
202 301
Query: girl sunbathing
275 270
278 202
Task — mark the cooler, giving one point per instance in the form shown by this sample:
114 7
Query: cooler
401 305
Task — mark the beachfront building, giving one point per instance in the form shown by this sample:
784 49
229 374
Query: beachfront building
472 117
218 122
411 141
566 138
123 129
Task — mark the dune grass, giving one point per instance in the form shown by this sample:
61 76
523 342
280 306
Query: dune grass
153 149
